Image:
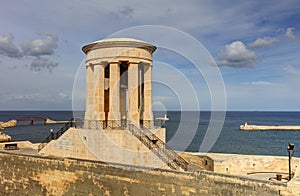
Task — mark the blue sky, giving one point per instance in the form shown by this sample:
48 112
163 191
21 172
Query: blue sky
255 44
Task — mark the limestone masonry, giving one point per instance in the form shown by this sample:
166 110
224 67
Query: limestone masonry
33 175
119 72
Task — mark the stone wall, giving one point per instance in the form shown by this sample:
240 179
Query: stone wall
247 164
241 164
227 163
32 175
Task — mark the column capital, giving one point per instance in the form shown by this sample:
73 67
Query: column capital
103 62
134 62
89 65
95 62
143 63
114 62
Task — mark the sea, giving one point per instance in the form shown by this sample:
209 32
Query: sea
187 130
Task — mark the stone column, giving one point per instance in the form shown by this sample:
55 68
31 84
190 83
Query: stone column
133 93
89 112
148 114
123 104
99 91
114 91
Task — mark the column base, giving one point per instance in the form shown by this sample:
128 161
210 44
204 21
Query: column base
99 116
148 121
114 116
134 117
88 116
148 116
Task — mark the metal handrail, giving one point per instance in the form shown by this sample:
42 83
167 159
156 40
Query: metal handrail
100 124
160 148
114 124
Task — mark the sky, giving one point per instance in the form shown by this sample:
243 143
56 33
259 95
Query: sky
255 46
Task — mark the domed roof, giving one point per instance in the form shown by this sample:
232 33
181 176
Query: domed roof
119 39
118 42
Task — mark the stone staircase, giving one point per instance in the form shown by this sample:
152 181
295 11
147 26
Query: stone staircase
159 148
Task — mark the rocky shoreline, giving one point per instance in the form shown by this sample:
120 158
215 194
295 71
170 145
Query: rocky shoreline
11 123
4 137
3 125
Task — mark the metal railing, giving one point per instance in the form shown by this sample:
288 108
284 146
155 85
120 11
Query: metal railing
151 124
56 135
100 124
160 148
114 124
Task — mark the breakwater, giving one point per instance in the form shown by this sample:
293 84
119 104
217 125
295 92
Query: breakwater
14 122
247 127
51 122
11 123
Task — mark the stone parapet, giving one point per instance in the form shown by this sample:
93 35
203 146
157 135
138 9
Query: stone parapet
33 175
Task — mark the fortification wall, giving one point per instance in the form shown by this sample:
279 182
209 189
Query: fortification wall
32 175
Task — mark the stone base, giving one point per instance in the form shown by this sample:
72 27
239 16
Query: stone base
114 116
134 117
88 116
99 116
148 116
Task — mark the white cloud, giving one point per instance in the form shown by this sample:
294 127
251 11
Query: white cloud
236 55
33 96
40 47
35 48
122 12
7 47
39 97
41 63
292 70
63 95
262 83
161 98
262 42
290 33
